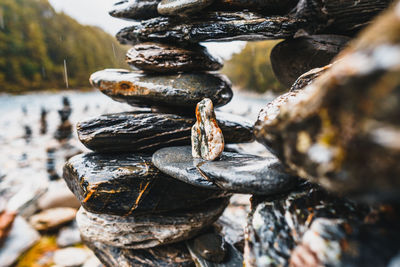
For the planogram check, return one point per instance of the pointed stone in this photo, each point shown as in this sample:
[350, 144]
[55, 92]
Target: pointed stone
[135, 9]
[207, 138]
[182, 7]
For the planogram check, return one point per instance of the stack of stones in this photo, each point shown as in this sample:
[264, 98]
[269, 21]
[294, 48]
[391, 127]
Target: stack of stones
[146, 201]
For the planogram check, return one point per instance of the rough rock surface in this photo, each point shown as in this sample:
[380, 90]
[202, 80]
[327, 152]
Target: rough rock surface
[146, 231]
[182, 7]
[135, 9]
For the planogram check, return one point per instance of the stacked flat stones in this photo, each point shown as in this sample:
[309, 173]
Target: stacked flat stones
[142, 192]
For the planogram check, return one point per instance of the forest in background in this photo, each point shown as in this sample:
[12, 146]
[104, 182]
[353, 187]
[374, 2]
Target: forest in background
[35, 41]
[251, 69]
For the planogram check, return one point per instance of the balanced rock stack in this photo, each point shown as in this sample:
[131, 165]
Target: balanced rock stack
[150, 194]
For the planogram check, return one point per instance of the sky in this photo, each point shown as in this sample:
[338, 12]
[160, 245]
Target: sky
[95, 12]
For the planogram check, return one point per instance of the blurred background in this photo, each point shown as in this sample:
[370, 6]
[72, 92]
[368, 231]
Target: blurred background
[48, 49]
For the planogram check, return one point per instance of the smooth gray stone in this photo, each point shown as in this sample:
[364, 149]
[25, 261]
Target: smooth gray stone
[233, 257]
[233, 172]
[182, 90]
[210, 246]
[21, 237]
[147, 231]
[135, 9]
[182, 7]
[69, 236]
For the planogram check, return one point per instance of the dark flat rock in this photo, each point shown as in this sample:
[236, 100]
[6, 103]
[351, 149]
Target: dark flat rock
[182, 7]
[135, 9]
[234, 172]
[177, 90]
[211, 26]
[210, 246]
[148, 132]
[173, 255]
[163, 58]
[128, 184]
[265, 7]
[151, 230]
[291, 58]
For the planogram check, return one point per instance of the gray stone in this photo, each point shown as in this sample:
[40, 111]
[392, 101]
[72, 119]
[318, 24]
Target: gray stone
[146, 231]
[71, 257]
[135, 9]
[52, 218]
[69, 236]
[233, 172]
[182, 7]
[58, 195]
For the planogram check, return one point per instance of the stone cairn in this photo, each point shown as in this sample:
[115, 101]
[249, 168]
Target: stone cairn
[327, 195]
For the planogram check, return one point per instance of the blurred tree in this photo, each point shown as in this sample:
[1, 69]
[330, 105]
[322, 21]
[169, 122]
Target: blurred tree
[35, 40]
[251, 69]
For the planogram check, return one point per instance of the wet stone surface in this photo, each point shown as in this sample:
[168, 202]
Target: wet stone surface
[293, 57]
[182, 7]
[211, 26]
[162, 58]
[266, 7]
[147, 131]
[146, 231]
[135, 9]
[207, 138]
[173, 255]
[178, 90]
[233, 172]
[127, 184]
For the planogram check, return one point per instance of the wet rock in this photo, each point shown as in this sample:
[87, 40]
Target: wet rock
[69, 236]
[135, 9]
[293, 57]
[146, 231]
[239, 173]
[163, 58]
[43, 121]
[178, 90]
[71, 257]
[201, 253]
[277, 223]
[21, 237]
[343, 134]
[127, 184]
[211, 247]
[231, 230]
[207, 138]
[182, 7]
[148, 132]
[58, 195]
[266, 7]
[52, 218]
[211, 26]
[173, 255]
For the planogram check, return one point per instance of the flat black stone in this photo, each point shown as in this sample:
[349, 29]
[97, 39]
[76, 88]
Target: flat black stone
[291, 58]
[177, 90]
[128, 184]
[265, 7]
[233, 172]
[210, 246]
[148, 132]
[173, 255]
[211, 26]
[163, 58]
[135, 9]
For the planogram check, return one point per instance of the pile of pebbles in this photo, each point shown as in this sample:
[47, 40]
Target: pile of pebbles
[146, 201]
